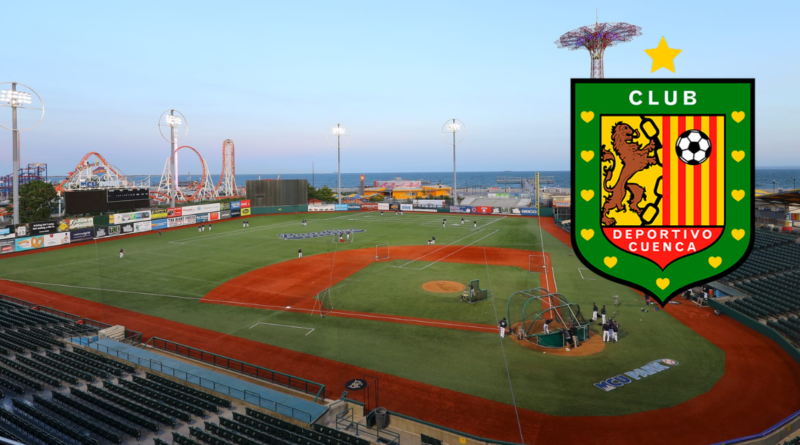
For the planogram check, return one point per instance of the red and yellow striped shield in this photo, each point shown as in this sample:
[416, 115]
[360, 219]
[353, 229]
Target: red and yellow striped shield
[663, 184]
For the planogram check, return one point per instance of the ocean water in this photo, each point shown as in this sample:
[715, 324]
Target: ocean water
[784, 178]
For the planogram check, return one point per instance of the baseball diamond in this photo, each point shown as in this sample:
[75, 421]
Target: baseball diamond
[242, 292]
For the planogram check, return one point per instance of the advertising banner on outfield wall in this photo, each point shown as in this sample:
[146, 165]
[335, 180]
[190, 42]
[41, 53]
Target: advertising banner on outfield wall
[225, 206]
[6, 246]
[201, 218]
[515, 211]
[28, 243]
[394, 206]
[321, 207]
[43, 227]
[482, 209]
[77, 236]
[460, 209]
[66, 225]
[56, 239]
[125, 228]
[158, 214]
[245, 203]
[122, 218]
[246, 211]
[236, 213]
[225, 214]
[213, 216]
[236, 205]
[353, 206]
[103, 231]
[429, 202]
[7, 232]
[406, 207]
[158, 224]
[369, 206]
[383, 206]
[529, 211]
[173, 212]
[198, 209]
[340, 207]
[429, 210]
[181, 221]
[144, 226]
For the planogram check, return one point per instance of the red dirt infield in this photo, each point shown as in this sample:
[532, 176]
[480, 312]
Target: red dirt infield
[292, 285]
[760, 387]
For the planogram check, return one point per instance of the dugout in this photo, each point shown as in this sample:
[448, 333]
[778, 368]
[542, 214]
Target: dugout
[528, 309]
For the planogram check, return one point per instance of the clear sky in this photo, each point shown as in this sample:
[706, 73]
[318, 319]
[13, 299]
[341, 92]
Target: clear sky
[273, 75]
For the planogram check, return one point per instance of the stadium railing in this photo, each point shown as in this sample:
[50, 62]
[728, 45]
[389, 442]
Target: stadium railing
[245, 395]
[248, 369]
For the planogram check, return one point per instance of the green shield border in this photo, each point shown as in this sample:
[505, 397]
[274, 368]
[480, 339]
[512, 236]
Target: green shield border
[689, 266]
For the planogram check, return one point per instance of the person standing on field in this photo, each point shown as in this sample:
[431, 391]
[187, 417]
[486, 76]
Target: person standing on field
[606, 335]
[475, 224]
[121, 253]
[594, 312]
[603, 313]
[547, 325]
[503, 325]
[615, 331]
[299, 253]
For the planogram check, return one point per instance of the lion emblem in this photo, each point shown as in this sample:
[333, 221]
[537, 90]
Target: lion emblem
[634, 159]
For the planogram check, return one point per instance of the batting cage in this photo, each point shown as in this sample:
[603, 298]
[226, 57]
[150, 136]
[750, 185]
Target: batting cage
[323, 303]
[473, 293]
[541, 318]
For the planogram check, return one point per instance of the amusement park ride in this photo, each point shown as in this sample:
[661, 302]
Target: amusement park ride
[94, 172]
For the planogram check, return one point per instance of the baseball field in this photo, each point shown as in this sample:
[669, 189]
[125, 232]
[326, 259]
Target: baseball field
[395, 315]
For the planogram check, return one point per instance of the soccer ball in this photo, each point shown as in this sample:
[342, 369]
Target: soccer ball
[693, 147]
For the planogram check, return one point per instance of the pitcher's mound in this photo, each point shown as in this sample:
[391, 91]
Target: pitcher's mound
[444, 287]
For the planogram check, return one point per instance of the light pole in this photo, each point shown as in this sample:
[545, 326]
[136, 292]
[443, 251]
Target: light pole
[454, 131]
[339, 134]
[174, 120]
[16, 99]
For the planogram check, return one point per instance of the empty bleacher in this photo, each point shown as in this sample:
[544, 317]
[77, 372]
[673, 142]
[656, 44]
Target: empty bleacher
[769, 279]
[63, 394]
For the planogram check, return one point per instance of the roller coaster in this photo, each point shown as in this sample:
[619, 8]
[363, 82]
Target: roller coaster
[95, 172]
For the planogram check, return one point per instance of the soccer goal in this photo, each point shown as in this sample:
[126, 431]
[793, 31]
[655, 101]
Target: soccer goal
[537, 263]
[323, 303]
[382, 252]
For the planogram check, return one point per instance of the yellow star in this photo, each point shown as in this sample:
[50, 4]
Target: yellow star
[663, 56]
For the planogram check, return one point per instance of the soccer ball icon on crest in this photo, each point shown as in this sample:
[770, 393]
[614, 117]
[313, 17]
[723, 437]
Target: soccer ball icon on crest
[693, 147]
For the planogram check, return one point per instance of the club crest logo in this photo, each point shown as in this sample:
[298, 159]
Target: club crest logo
[662, 179]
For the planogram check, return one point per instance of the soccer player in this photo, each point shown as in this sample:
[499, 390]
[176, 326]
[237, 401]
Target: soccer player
[603, 313]
[299, 253]
[503, 325]
[615, 331]
[594, 312]
[121, 253]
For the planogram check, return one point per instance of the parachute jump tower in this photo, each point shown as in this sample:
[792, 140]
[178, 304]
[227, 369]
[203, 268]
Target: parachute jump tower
[596, 39]
[227, 180]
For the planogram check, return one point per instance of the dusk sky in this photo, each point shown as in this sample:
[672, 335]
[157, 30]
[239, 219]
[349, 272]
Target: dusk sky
[272, 76]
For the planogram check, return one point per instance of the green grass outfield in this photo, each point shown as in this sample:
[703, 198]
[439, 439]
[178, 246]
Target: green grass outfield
[164, 276]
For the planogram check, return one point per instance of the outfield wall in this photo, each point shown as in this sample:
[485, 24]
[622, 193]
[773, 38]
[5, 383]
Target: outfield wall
[39, 235]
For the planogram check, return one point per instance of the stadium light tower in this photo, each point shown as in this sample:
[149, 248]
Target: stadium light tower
[596, 39]
[339, 136]
[453, 132]
[175, 121]
[16, 99]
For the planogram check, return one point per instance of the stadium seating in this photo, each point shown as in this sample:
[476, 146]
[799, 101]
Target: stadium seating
[175, 393]
[52, 422]
[108, 361]
[153, 394]
[89, 419]
[105, 369]
[29, 428]
[190, 391]
[125, 408]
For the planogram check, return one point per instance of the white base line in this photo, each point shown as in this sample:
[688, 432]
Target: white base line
[579, 271]
[283, 326]
[102, 289]
[444, 246]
